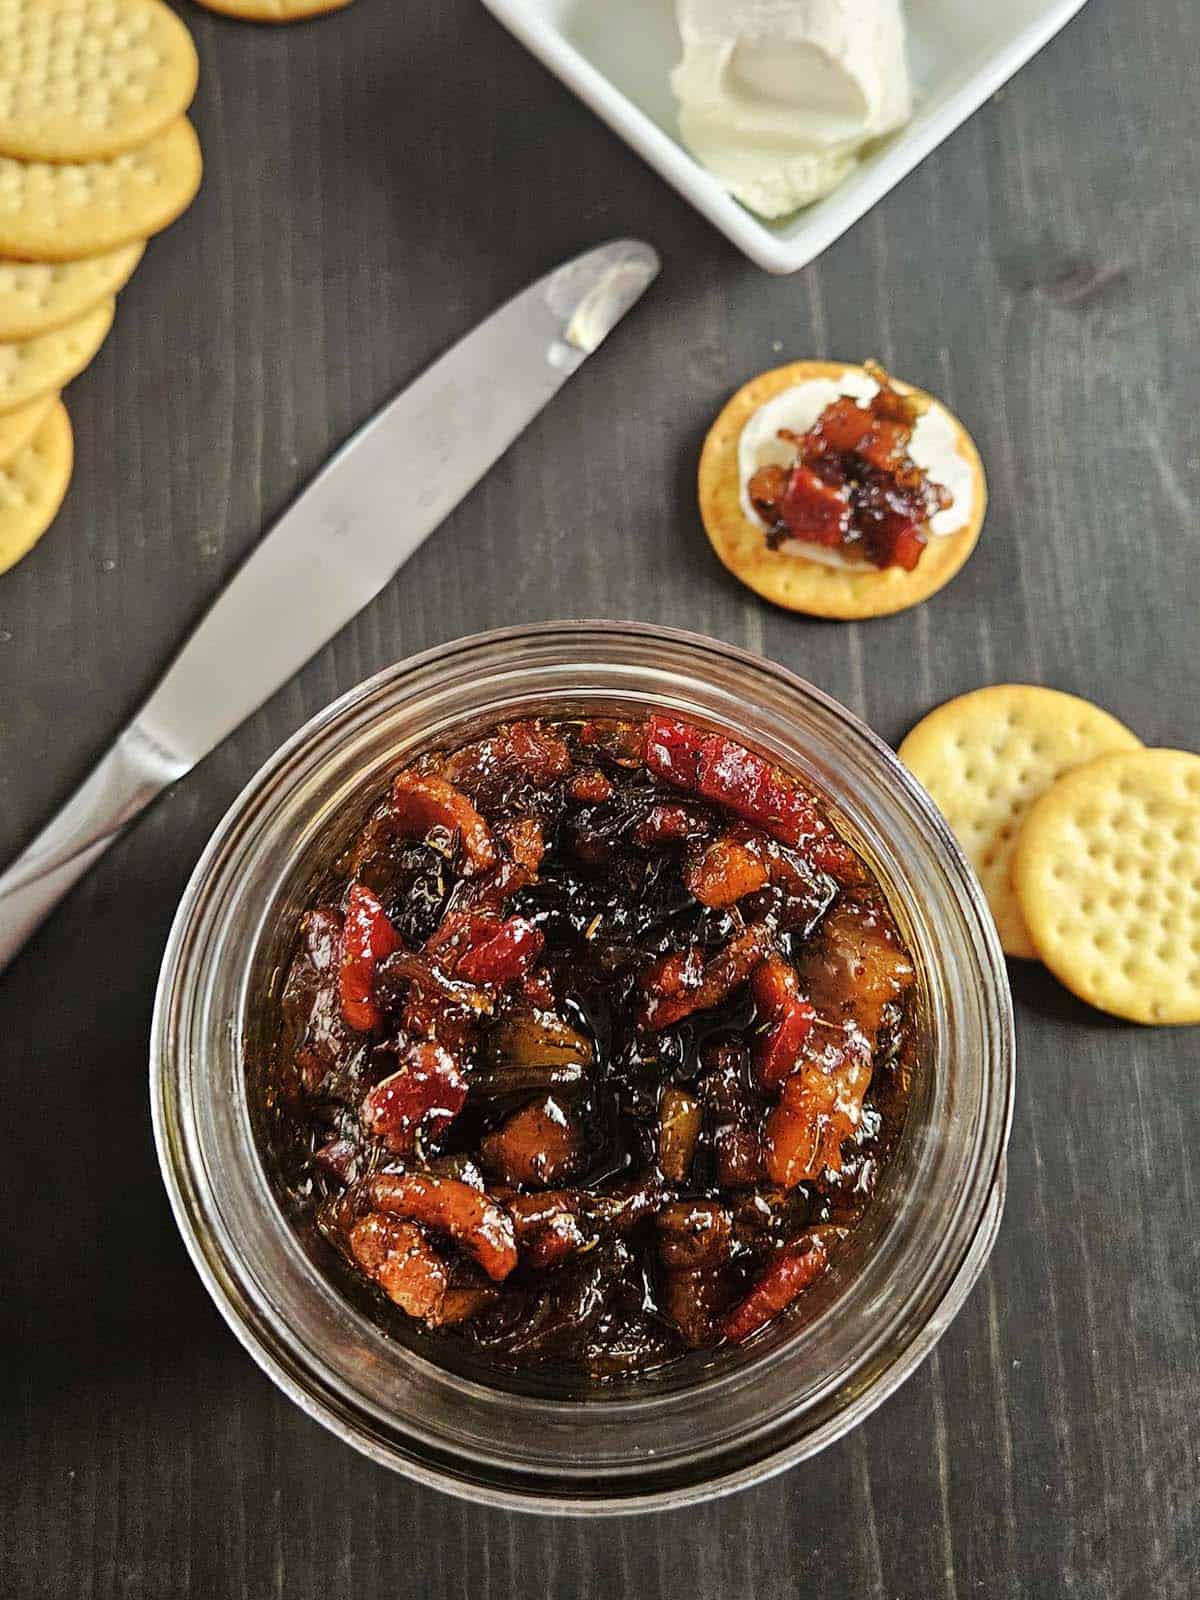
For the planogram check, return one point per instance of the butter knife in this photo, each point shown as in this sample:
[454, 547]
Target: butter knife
[333, 550]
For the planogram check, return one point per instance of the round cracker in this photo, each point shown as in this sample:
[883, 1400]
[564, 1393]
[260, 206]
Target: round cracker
[59, 212]
[986, 757]
[33, 367]
[82, 80]
[33, 484]
[789, 580]
[39, 296]
[1107, 871]
[18, 427]
[273, 10]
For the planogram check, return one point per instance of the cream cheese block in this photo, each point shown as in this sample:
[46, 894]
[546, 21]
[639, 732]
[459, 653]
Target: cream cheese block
[779, 97]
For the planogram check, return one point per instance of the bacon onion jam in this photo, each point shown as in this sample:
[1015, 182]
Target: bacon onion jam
[853, 487]
[594, 1045]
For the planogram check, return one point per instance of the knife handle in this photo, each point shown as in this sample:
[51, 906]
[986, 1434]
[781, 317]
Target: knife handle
[126, 779]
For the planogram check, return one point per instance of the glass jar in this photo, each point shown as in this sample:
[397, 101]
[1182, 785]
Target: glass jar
[699, 1427]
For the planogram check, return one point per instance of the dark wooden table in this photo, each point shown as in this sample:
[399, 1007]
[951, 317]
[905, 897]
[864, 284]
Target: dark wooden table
[377, 182]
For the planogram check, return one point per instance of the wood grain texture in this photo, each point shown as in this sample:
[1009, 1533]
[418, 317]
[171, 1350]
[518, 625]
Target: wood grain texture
[377, 182]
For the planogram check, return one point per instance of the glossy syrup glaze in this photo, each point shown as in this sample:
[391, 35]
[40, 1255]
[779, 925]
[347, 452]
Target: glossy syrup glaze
[594, 1046]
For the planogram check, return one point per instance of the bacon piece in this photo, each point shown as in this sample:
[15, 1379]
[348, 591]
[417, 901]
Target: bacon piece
[484, 1229]
[821, 1105]
[720, 770]
[403, 1263]
[696, 1299]
[427, 1090]
[814, 510]
[523, 844]
[520, 761]
[435, 1005]
[525, 841]
[743, 859]
[788, 1275]
[685, 981]
[694, 1233]
[554, 1224]
[725, 872]
[673, 751]
[422, 801]
[671, 822]
[621, 741]
[367, 938]
[548, 1226]
[856, 967]
[786, 1018]
[590, 787]
[459, 932]
[505, 957]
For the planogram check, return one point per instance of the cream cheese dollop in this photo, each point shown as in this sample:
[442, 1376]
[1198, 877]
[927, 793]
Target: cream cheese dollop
[934, 448]
[779, 97]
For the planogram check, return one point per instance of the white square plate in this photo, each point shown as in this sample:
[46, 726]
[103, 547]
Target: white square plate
[617, 54]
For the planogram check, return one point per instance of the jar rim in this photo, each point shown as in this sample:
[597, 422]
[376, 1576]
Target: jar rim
[205, 1151]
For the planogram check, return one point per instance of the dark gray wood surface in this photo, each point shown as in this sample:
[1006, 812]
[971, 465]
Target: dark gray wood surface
[378, 181]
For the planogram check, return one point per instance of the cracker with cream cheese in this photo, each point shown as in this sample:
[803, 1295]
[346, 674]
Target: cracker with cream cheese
[791, 580]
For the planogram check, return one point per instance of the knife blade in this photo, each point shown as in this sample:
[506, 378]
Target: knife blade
[379, 498]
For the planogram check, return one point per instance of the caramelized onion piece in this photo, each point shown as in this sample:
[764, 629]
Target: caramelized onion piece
[679, 1121]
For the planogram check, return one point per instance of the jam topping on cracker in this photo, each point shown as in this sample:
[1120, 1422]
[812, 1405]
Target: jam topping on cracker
[853, 486]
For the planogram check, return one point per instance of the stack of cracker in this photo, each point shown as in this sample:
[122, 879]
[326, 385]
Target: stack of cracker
[1086, 843]
[95, 156]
